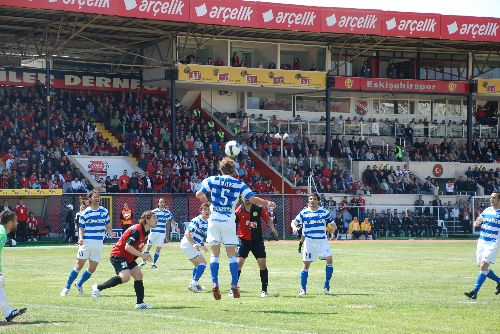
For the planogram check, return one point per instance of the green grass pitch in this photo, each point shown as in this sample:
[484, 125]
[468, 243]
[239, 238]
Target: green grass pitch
[378, 287]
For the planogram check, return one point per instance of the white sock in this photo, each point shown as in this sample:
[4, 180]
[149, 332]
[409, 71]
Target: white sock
[3, 303]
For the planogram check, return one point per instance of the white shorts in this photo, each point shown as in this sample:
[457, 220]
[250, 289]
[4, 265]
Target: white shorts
[90, 250]
[314, 248]
[156, 239]
[188, 249]
[486, 251]
[221, 229]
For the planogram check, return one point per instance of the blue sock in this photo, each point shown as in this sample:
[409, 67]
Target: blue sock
[199, 271]
[481, 277]
[214, 269]
[303, 279]
[491, 275]
[233, 267]
[85, 276]
[73, 274]
[194, 271]
[329, 273]
[155, 257]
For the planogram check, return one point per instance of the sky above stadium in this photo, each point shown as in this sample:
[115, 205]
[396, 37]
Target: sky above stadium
[490, 8]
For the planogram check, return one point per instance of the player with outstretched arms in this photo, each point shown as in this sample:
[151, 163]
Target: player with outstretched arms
[487, 244]
[193, 243]
[224, 192]
[313, 221]
[123, 256]
[157, 235]
[93, 223]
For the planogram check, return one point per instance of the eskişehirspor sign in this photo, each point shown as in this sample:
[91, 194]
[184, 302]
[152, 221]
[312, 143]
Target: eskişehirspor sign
[400, 85]
[284, 17]
[73, 80]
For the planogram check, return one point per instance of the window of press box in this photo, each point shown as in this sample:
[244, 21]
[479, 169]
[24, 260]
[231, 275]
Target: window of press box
[317, 104]
[486, 69]
[393, 107]
[269, 101]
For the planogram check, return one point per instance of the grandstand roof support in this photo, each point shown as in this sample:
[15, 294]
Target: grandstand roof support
[469, 117]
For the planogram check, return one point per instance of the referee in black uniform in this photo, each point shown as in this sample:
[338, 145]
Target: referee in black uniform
[249, 219]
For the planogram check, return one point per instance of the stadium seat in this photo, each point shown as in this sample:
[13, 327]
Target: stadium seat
[443, 226]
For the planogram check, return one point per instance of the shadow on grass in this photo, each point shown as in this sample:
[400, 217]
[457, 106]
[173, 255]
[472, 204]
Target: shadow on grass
[353, 294]
[20, 323]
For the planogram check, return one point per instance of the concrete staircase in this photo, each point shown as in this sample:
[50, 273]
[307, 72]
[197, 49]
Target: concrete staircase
[113, 140]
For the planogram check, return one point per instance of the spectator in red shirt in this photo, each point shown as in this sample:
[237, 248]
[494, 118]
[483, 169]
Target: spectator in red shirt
[124, 182]
[22, 221]
[158, 182]
[32, 227]
[185, 186]
[24, 180]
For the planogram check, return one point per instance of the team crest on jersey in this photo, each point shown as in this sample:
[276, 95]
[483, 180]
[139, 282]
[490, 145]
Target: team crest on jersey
[255, 214]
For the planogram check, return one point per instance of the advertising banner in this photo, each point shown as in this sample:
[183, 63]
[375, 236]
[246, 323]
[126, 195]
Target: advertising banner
[351, 21]
[400, 85]
[169, 10]
[251, 76]
[470, 28]
[30, 192]
[411, 25]
[73, 80]
[222, 12]
[488, 86]
[289, 17]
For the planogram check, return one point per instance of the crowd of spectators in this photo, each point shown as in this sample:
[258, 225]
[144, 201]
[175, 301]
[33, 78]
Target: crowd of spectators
[421, 221]
[141, 122]
[303, 158]
[387, 180]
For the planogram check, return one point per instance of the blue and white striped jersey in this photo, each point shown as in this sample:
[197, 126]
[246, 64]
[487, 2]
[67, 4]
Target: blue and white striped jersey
[490, 226]
[163, 216]
[94, 223]
[199, 228]
[313, 222]
[224, 192]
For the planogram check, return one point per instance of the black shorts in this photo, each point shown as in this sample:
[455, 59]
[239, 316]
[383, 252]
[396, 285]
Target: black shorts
[256, 247]
[120, 264]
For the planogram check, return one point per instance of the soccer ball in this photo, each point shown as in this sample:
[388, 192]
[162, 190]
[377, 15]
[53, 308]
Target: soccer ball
[232, 149]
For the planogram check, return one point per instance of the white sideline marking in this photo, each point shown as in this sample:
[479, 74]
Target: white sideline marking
[172, 316]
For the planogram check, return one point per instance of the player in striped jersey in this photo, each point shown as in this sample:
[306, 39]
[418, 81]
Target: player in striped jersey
[314, 220]
[224, 192]
[157, 235]
[94, 222]
[487, 244]
[192, 243]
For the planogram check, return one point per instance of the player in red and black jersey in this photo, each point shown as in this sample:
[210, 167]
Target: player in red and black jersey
[249, 219]
[123, 256]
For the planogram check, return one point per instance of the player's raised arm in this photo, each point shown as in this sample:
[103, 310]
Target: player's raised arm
[204, 190]
[296, 223]
[262, 202]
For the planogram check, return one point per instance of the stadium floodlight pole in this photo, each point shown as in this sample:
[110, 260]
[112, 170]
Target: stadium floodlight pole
[47, 95]
[330, 82]
[472, 90]
[282, 138]
[172, 74]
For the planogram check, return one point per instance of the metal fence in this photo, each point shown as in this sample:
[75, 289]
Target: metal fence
[186, 206]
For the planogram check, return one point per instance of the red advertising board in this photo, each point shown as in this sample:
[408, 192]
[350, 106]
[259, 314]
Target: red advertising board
[222, 12]
[74, 80]
[171, 10]
[470, 28]
[288, 17]
[284, 17]
[411, 25]
[351, 21]
[400, 86]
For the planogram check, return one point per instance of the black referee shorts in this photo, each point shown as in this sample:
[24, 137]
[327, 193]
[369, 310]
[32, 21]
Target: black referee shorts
[256, 247]
[120, 264]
